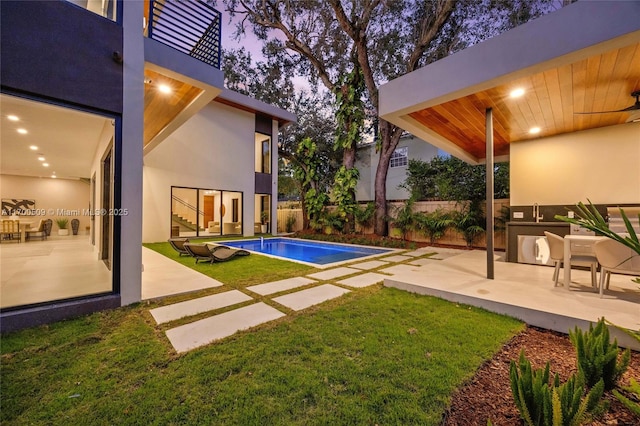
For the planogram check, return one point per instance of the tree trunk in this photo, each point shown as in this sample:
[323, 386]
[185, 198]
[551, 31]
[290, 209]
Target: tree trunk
[349, 161]
[389, 136]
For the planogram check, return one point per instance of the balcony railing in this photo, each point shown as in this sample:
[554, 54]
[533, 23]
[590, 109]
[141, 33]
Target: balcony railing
[190, 26]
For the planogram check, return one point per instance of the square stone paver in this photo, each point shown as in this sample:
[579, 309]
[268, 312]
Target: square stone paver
[397, 258]
[419, 252]
[311, 296]
[424, 261]
[205, 331]
[399, 269]
[333, 273]
[372, 264]
[278, 286]
[364, 280]
[197, 306]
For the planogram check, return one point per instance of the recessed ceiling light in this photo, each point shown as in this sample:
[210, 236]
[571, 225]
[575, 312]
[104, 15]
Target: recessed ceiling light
[41, 158]
[22, 131]
[164, 88]
[45, 164]
[33, 148]
[516, 93]
[534, 130]
[13, 118]
[53, 176]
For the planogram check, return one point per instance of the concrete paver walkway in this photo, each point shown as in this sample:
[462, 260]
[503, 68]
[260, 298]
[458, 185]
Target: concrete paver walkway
[205, 331]
[333, 273]
[311, 296]
[372, 264]
[196, 306]
[364, 280]
[202, 332]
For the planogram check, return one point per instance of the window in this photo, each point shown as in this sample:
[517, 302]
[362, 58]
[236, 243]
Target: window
[263, 153]
[400, 157]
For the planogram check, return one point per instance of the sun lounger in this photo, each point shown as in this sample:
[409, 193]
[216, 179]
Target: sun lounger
[178, 245]
[224, 253]
[199, 252]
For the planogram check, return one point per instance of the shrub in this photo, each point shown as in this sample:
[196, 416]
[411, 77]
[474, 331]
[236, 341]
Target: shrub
[597, 356]
[290, 222]
[542, 404]
[434, 224]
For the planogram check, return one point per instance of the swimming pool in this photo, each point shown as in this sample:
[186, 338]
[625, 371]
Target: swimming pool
[305, 251]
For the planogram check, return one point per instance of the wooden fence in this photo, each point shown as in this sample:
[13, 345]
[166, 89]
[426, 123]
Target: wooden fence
[451, 236]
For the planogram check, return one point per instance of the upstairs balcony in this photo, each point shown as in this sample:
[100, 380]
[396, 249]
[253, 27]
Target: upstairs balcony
[191, 27]
[182, 50]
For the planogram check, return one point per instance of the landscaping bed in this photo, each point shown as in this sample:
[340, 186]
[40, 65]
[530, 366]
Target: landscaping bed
[488, 394]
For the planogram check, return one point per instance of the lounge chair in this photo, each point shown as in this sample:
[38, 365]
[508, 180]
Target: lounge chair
[199, 252]
[224, 253]
[39, 231]
[178, 245]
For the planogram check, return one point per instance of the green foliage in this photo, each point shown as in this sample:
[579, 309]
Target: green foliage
[344, 189]
[542, 404]
[590, 218]
[62, 223]
[307, 172]
[434, 224]
[349, 91]
[449, 178]
[290, 222]
[404, 218]
[470, 222]
[364, 216]
[633, 388]
[597, 356]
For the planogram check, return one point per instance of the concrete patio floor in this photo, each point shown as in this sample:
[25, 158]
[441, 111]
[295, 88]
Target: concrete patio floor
[525, 292]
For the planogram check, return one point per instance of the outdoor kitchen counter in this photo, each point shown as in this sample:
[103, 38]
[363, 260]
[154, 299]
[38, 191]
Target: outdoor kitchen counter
[530, 228]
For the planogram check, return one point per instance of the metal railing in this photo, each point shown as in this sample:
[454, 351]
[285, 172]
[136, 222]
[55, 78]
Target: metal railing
[189, 26]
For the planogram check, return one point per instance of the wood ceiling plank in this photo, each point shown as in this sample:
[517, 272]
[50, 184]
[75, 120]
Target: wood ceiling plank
[565, 78]
[600, 82]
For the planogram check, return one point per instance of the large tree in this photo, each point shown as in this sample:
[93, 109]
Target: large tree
[382, 40]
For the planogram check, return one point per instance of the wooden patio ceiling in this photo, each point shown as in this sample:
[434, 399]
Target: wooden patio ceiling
[161, 108]
[598, 83]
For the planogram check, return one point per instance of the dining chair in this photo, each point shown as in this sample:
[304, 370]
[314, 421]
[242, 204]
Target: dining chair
[556, 252]
[614, 256]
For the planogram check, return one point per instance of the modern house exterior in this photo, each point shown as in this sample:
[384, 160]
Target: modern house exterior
[114, 113]
[409, 148]
[548, 96]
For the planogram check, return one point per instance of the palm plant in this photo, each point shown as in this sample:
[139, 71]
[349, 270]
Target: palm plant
[590, 218]
[470, 223]
[404, 219]
[434, 224]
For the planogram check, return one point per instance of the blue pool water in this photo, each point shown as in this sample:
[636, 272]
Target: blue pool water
[305, 250]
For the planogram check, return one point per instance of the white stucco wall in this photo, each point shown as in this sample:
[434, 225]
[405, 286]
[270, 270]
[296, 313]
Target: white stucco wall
[53, 198]
[367, 163]
[602, 165]
[213, 150]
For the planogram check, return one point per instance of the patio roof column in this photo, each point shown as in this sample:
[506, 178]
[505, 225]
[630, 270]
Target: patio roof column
[489, 189]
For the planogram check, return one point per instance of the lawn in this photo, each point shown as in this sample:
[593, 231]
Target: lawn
[376, 356]
[239, 273]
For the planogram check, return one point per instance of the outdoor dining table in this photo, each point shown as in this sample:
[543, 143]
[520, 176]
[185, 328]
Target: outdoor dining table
[587, 241]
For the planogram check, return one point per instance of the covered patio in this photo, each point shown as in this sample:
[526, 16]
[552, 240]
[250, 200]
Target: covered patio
[523, 291]
[556, 98]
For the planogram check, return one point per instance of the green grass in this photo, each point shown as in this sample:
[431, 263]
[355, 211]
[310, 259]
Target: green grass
[239, 272]
[375, 356]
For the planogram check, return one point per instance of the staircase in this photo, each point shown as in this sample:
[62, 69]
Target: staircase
[184, 224]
